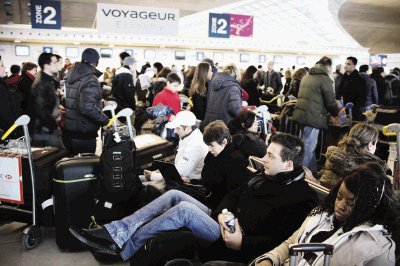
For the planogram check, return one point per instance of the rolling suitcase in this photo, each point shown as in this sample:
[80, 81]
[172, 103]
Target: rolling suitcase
[152, 147]
[73, 197]
[295, 249]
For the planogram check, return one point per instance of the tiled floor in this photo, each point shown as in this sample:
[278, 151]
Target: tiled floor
[45, 254]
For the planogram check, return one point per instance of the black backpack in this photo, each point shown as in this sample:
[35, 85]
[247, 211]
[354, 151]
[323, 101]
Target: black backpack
[119, 180]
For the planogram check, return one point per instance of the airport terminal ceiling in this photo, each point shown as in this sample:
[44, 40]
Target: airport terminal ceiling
[373, 24]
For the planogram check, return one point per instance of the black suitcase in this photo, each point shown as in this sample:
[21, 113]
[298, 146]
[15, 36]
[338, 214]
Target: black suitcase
[387, 115]
[151, 147]
[164, 247]
[73, 197]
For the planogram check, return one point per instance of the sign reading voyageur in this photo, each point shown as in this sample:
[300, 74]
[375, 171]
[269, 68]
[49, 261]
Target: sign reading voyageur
[137, 19]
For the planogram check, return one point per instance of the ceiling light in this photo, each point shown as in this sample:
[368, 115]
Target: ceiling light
[17, 41]
[111, 45]
[77, 43]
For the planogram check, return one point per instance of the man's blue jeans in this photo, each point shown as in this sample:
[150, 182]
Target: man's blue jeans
[170, 211]
[309, 135]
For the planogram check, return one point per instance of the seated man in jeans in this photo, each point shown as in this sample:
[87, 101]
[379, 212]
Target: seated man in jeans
[268, 210]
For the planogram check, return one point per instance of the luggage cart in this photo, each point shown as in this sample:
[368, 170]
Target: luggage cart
[31, 235]
[394, 130]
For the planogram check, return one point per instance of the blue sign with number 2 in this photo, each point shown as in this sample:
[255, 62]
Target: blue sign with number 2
[45, 14]
[219, 25]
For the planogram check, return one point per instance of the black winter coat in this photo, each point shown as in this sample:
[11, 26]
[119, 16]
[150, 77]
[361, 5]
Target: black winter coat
[199, 106]
[6, 116]
[269, 210]
[294, 88]
[24, 91]
[353, 89]
[44, 103]
[249, 144]
[383, 96]
[254, 94]
[83, 105]
[123, 90]
[223, 173]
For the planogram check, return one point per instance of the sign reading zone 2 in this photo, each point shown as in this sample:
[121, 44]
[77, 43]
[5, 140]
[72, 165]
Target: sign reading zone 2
[45, 14]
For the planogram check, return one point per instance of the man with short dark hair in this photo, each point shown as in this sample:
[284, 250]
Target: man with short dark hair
[353, 88]
[269, 208]
[372, 90]
[315, 101]
[83, 104]
[44, 107]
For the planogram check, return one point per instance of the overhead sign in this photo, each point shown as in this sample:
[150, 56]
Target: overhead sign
[137, 19]
[227, 25]
[241, 25]
[378, 60]
[45, 14]
[219, 25]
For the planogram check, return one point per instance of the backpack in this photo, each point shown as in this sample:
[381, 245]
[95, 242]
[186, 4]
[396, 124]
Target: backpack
[119, 181]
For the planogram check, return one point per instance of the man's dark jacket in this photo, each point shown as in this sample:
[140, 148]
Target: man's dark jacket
[83, 105]
[353, 89]
[269, 210]
[6, 116]
[44, 102]
[123, 89]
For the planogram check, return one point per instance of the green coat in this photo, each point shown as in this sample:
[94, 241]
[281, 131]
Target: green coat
[316, 99]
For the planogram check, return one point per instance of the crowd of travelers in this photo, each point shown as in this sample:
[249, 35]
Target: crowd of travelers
[218, 131]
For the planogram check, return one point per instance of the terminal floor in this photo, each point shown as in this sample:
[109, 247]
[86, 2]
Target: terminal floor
[45, 254]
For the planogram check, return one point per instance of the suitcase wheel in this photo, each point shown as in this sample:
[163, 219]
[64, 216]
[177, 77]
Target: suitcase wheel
[31, 237]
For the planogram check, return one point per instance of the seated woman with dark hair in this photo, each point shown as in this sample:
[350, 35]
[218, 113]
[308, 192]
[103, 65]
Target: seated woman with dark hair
[244, 128]
[360, 218]
[356, 147]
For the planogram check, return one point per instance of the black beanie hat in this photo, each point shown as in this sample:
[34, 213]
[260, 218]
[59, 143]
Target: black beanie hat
[90, 56]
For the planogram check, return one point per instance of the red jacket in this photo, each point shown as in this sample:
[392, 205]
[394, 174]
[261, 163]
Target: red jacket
[168, 98]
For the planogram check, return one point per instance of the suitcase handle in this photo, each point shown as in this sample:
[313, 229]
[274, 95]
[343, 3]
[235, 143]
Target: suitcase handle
[86, 154]
[310, 247]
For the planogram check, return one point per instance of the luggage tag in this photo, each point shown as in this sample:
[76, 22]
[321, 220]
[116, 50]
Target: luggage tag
[117, 138]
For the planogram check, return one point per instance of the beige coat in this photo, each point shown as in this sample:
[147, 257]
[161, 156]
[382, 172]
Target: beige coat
[363, 245]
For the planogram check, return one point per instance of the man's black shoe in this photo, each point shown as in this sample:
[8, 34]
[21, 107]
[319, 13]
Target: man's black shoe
[104, 257]
[96, 239]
